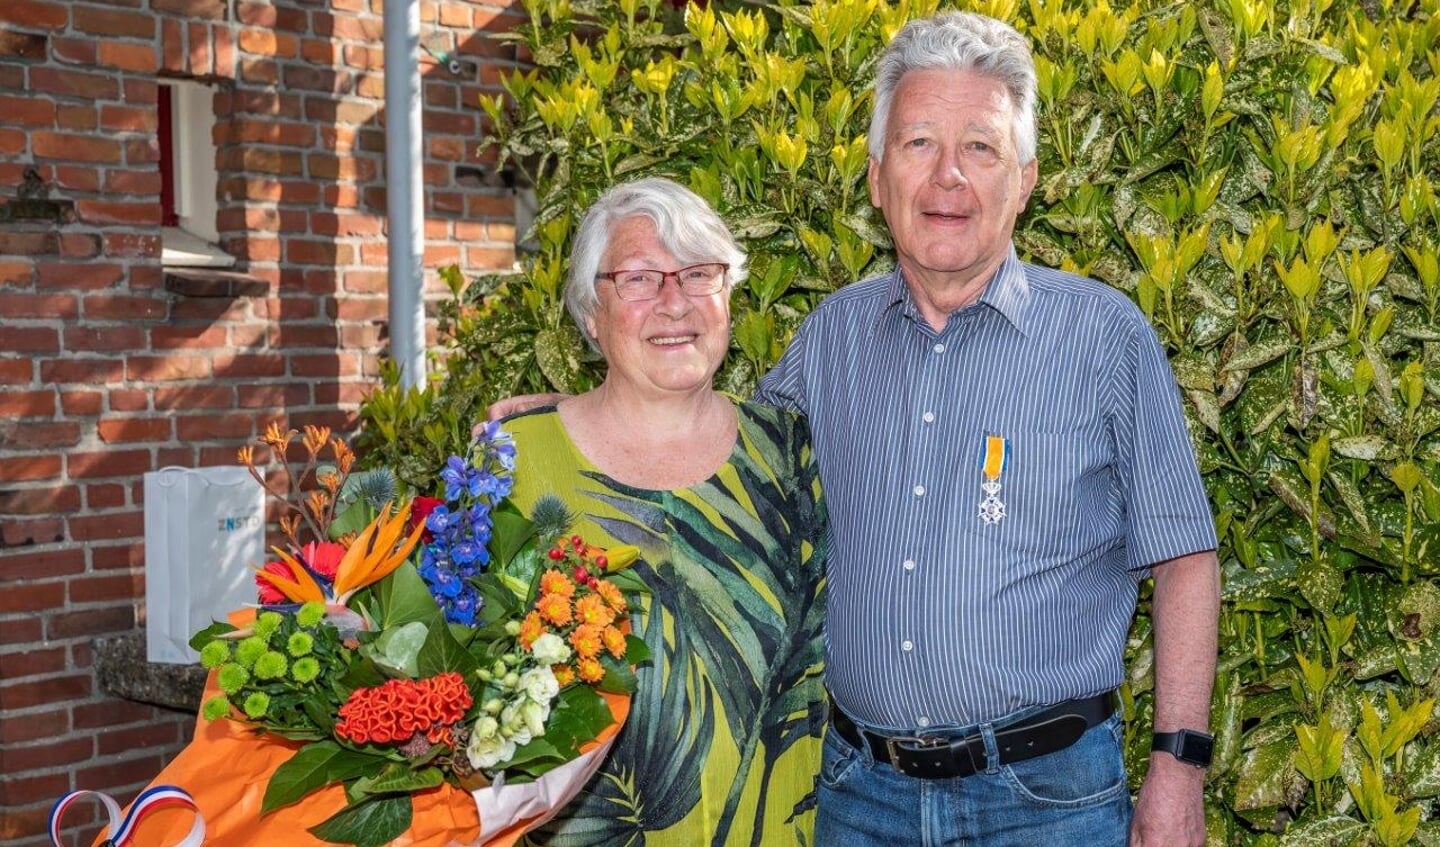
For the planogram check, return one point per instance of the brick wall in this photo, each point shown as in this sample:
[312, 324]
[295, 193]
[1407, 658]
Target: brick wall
[110, 366]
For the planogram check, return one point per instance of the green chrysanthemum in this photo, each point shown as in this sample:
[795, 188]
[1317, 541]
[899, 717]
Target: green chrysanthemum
[215, 708]
[250, 649]
[267, 623]
[215, 654]
[300, 644]
[232, 678]
[310, 614]
[257, 704]
[305, 670]
[272, 665]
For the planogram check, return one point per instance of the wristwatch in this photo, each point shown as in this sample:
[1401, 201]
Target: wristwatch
[1189, 746]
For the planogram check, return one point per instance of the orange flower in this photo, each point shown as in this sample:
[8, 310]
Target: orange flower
[564, 674]
[591, 671]
[586, 639]
[554, 608]
[530, 629]
[614, 641]
[592, 609]
[396, 710]
[554, 582]
[612, 594]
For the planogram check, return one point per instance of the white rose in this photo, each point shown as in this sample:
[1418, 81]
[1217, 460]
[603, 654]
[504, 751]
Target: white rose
[550, 649]
[540, 684]
[534, 715]
[485, 727]
[486, 753]
[513, 725]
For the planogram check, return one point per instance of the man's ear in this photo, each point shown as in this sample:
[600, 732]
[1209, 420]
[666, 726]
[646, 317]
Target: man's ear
[873, 178]
[1029, 174]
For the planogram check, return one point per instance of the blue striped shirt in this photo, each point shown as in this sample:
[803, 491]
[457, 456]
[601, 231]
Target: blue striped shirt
[936, 618]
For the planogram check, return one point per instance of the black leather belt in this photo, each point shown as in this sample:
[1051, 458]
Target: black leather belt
[938, 757]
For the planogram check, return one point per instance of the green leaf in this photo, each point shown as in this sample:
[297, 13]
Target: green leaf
[1319, 583]
[403, 598]
[1324, 832]
[619, 677]
[510, 532]
[368, 823]
[1258, 354]
[208, 634]
[397, 649]
[441, 653]
[314, 766]
[396, 778]
[557, 353]
[1266, 776]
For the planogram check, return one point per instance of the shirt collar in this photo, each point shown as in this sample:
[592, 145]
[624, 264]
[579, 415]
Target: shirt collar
[1008, 293]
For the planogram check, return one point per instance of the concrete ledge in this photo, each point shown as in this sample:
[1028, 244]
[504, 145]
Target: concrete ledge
[202, 282]
[123, 671]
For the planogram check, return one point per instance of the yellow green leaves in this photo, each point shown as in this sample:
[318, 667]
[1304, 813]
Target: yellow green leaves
[656, 76]
[1319, 749]
[1124, 74]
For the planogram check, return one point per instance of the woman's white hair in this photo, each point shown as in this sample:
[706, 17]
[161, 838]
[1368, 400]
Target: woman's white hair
[685, 224]
[959, 41]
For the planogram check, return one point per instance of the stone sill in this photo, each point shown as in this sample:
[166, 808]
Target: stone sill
[206, 282]
[123, 671]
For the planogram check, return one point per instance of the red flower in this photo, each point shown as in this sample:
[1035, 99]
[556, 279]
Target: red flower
[323, 557]
[269, 594]
[420, 509]
[399, 709]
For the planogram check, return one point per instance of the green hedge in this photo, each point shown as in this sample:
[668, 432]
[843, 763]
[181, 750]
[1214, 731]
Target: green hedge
[1260, 177]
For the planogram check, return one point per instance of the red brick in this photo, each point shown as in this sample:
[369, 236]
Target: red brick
[80, 274]
[224, 52]
[60, 499]
[172, 46]
[141, 245]
[21, 468]
[142, 151]
[123, 556]
[195, 397]
[32, 597]
[115, 713]
[114, 22]
[92, 371]
[51, 690]
[259, 71]
[319, 51]
[135, 772]
[107, 463]
[29, 757]
[75, 51]
[129, 400]
[189, 337]
[102, 496]
[93, 86]
[26, 111]
[33, 13]
[27, 404]
[89, 527]
[31, 339]
[91, 338]
[77, 178]
[118, 212]
[122, 430]
[82, 402]
[15, 273]
[119, 741]
[202, 427]
[55, 306]
[96, 589]
[20, 790]
[34, 725]
[141, 58]
[83, 118]
[327, 252]
[43, 564]
[36, 434]
[122, 307]
[165, 368]
[15, 371]
[293, 336]
[25, 631]
[270, 396]
[249, 365]
[85, 148]
[12, 142]
[78, 245]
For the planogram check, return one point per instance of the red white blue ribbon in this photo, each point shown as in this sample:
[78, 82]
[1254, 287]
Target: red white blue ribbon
[122, 828]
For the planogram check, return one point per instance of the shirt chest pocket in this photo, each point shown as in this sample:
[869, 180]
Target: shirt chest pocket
[1049, 486]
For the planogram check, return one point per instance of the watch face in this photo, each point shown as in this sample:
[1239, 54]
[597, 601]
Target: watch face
[1196, 747]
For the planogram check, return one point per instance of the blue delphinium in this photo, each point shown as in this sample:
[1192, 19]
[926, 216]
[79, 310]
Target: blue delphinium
[461, 528]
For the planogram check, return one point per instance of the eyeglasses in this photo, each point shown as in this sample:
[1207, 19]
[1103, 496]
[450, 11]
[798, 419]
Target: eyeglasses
[645, 283]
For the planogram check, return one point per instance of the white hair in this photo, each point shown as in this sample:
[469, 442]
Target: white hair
[959, 41]
[685, 224]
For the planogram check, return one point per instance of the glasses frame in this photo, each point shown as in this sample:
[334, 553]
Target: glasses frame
[666, 276]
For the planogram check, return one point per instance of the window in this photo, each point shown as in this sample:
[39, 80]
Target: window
[188, 177]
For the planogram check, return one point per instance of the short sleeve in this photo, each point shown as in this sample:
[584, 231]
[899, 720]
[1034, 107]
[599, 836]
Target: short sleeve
[1167, 511]
[784, 386]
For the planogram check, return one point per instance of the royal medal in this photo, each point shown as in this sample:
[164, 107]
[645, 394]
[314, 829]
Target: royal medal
[993, 460]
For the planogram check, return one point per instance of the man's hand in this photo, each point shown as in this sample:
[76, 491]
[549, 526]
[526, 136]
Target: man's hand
[1171, 808]
[523, 403]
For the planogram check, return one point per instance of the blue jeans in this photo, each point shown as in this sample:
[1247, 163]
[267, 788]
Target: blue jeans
[1076, 796]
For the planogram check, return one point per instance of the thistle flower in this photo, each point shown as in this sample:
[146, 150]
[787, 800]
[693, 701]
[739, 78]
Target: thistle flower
[374, 488]
[551, 517]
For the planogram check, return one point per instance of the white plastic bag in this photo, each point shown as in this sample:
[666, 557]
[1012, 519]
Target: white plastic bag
[204, 531]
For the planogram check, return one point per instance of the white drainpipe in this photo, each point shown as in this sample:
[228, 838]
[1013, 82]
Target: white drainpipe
[405, 189]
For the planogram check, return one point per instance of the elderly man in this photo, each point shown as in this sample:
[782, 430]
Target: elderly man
[1004, 455]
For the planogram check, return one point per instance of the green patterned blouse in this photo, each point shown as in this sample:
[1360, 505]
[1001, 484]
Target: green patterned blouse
[723, 740]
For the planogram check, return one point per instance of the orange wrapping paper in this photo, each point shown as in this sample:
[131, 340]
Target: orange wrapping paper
[227, 766]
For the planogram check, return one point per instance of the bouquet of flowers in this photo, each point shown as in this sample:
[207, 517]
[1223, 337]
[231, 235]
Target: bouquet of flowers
[422, 648]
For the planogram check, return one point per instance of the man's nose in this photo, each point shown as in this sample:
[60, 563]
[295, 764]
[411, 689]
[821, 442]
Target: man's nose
[949, 172]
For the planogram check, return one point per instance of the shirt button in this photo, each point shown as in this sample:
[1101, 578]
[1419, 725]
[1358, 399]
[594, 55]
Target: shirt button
[909, 564]
[939, 348]
[907, 645]
[919, 491]
[922, 721]
[928, 417]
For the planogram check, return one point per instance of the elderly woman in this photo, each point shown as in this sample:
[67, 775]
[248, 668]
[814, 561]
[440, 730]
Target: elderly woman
[722, 743]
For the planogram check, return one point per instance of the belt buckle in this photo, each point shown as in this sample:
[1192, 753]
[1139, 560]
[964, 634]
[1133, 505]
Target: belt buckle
[914, 742]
